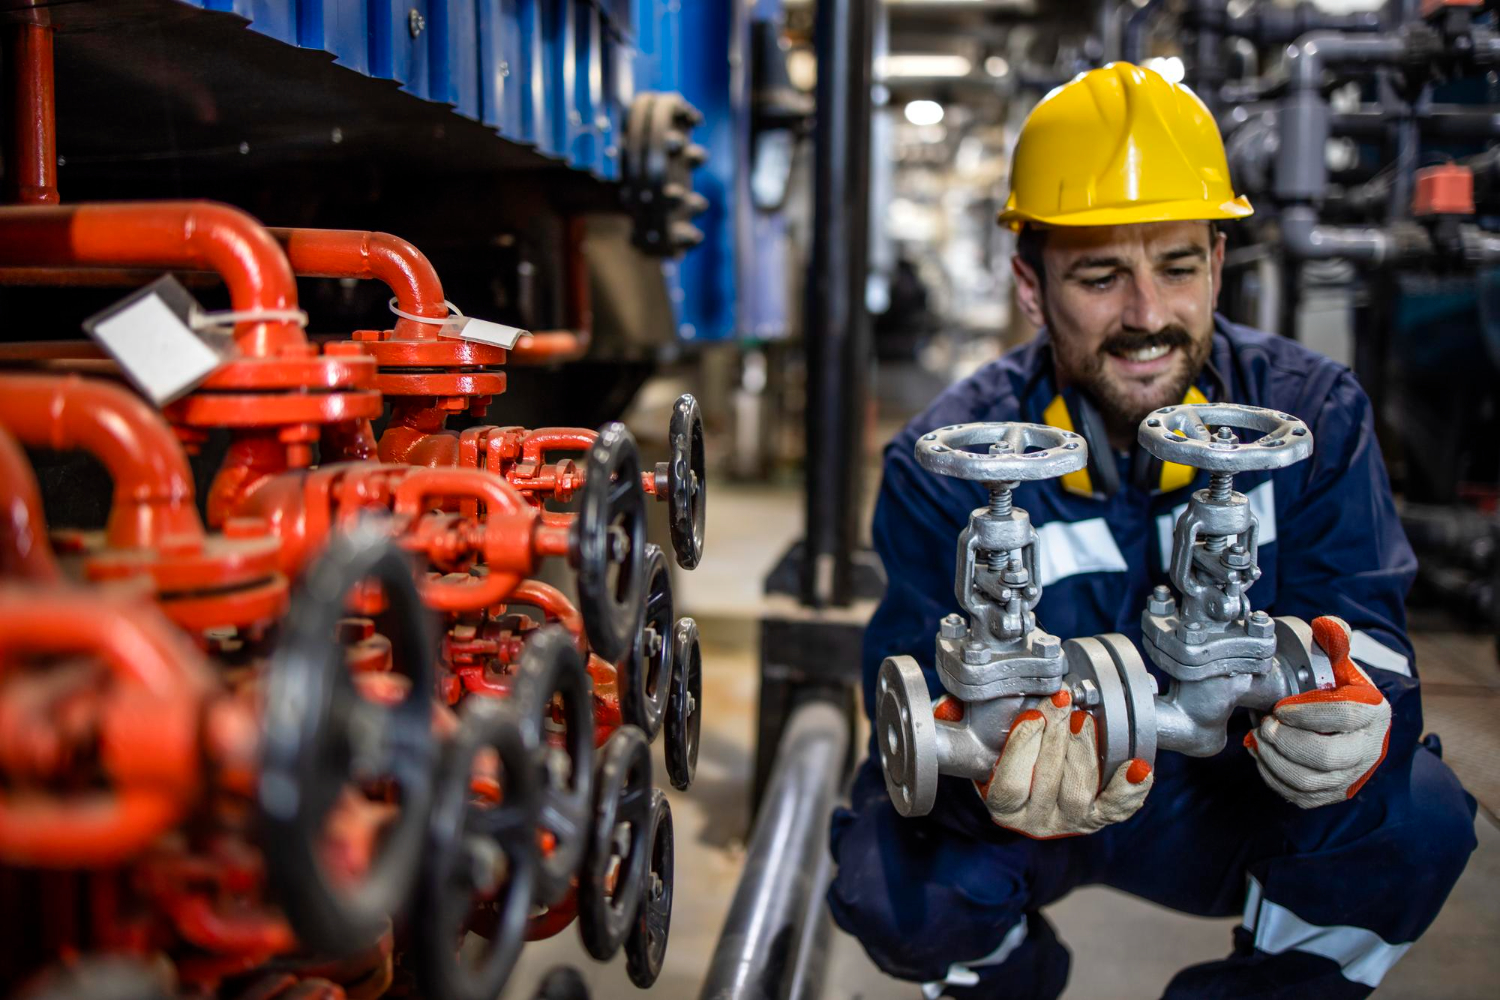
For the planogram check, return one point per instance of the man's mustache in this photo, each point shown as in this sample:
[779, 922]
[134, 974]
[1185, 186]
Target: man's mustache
[1135, 340]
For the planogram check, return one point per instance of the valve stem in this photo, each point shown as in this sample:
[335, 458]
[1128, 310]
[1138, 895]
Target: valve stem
[1220, 489]
[1001, 503]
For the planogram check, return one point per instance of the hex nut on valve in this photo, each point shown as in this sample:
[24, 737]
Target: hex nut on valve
[952, 627]
[1260, 626]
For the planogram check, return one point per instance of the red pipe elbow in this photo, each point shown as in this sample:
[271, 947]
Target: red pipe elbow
[196, 235]
[153, 497]
[350, 253]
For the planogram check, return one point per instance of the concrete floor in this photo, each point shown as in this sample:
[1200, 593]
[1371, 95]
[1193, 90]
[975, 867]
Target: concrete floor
[749, 528]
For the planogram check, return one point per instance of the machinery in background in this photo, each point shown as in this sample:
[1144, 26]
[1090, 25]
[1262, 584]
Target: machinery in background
[1218, 653]
[286, 705]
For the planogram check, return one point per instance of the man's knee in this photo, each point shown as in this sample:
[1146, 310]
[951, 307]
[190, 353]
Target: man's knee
[1432, 835]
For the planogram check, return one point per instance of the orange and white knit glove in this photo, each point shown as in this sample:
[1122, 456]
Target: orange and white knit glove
[1046, 782]
[1320, 747]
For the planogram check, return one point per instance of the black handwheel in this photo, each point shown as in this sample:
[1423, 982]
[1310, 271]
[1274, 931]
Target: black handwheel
[646, 946]
[321, 737]
[563, 983]
[609, 543]
[480, 853]
[551, 671]
[609, 888]
[685, 705]
[687, 481]
[646, 671]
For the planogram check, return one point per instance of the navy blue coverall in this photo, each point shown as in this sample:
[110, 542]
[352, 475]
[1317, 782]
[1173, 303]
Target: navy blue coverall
[1331, 897]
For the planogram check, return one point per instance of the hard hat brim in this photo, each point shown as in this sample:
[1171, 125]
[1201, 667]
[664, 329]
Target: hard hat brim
[1159, 211]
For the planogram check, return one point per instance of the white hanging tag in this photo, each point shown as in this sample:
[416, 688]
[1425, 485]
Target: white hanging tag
[480, 331]
[150, 333]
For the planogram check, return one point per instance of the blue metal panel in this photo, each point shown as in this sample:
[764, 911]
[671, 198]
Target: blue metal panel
[341, 27]
[708, 273]
[453, 60]
[394, 53]
[501, 75]
[277, 18]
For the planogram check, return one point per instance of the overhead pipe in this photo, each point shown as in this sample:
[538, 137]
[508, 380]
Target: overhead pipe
[198, 235]
[153, 485]
[1269, 24]
[24, 549]
[769, 948]
[31, 138]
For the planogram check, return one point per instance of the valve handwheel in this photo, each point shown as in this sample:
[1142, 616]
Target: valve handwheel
[609, 543]
[687, 482]
[320, 737]
[646, 672]
[478, 852]
[906, 736]
[646, 946]
[684, 705]
[609, 888]
[1184, 434]
[947, 451]
[551, 671]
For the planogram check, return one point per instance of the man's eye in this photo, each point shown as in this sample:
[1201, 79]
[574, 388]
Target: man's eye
[1181, 272]
[1099, 284]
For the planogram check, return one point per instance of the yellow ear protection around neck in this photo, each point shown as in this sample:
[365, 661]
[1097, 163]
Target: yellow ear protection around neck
[1071, 410]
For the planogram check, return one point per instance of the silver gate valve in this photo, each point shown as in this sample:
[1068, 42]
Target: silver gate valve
[998, 662]
[1220, 654]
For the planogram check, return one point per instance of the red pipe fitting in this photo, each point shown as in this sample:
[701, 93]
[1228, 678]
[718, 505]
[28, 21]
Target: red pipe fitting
[24, 549]
[153, 498]
[148, 728]
[349, 253]
[197, 235]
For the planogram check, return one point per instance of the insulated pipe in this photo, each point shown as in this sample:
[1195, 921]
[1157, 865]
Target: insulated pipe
[31, 146]
[153, 498]
[200, 235]
[759, 953]
[350, 253]
[24, 549]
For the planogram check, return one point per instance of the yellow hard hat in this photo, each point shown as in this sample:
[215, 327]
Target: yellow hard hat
[1120, 145]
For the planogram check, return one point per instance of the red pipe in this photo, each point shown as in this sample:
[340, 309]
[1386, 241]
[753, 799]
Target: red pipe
[351, 253]
[198, 235]
[24, 550]
[153, 497]
[32, 165]
[548, 347]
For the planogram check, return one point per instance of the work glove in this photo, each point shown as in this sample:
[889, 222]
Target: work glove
[1322, 746]
[1046, 781]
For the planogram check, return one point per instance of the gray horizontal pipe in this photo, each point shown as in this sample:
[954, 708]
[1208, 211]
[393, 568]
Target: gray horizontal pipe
[758, 956]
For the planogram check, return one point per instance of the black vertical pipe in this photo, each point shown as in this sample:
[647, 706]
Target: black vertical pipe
[836, 327]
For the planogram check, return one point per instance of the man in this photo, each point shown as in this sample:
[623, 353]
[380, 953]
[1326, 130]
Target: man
[1331, 827]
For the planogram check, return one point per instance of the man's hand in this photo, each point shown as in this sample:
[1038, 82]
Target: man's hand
[1046, 782]
[1322, 746]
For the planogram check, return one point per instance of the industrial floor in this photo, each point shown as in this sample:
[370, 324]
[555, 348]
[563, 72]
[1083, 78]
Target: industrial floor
[748, 528]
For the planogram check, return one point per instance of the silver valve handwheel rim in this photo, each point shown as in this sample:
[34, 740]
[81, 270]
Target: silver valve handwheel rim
[1182, 434]
[906, 736]
[945, 451]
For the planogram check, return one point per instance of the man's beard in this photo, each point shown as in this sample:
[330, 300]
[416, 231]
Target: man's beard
[1122, 401]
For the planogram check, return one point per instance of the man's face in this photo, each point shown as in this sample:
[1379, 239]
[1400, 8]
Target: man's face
[1130, 310]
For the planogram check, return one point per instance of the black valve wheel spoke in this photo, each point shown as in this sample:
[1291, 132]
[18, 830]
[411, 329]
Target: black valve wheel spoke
[609, 887]
[554, 690]
[684, 720]
[687, 482]
[646, 947]
[481, 855]
[646, 672]
[323, 741]
[609, 543]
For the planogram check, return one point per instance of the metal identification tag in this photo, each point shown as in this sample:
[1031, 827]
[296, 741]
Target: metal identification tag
[481, 331]
[149, 333]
